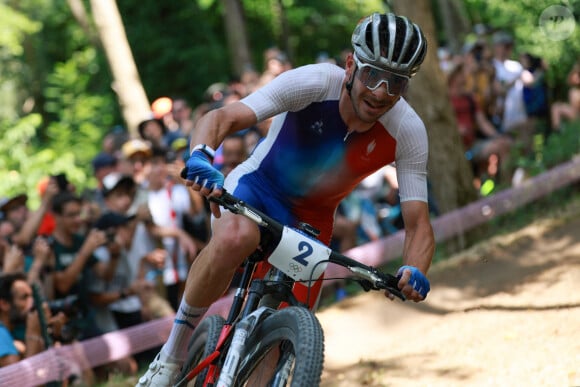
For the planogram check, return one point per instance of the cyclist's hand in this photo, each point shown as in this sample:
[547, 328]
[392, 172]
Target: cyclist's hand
[413, 284]
[200, 174]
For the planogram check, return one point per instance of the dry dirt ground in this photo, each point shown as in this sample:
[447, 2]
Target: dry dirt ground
[503, 313]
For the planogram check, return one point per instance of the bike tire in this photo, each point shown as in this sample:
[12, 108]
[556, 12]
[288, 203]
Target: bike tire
[302, 335]
[202, 344]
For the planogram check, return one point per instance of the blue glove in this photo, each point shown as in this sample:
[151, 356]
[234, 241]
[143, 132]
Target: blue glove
[200, 171]
[418, 280]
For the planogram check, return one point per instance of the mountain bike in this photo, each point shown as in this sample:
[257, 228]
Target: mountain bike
[270, 338]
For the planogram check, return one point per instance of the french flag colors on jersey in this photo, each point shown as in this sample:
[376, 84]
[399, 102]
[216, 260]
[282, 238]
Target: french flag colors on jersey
[309, 162]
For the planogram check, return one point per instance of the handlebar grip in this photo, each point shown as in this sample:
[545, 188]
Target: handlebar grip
[225, 198]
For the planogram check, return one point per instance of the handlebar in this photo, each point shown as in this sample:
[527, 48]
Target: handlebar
[368, 277]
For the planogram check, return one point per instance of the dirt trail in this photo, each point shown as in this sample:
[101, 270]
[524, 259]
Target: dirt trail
[504, 313]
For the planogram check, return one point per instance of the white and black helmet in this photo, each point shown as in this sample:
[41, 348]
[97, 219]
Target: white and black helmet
[390, 42]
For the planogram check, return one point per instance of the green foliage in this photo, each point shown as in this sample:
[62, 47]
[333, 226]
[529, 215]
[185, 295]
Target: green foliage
[20, 165]
[522, 19]
[15, 26]
[314, 27]
[76, 135]
[56, 100]
[179, 47]
[563, 145]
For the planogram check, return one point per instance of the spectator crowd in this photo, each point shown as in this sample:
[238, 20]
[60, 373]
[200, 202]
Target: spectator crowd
[118, 255]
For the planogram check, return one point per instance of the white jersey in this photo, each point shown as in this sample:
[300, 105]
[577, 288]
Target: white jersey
[308, 163]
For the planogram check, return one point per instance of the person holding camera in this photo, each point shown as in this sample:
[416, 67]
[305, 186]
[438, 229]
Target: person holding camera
[116, 294]
[116, 291]
[73, 258]
[21, 333]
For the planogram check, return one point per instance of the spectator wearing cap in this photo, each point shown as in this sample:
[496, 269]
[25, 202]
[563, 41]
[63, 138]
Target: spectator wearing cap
[26, 223]
[118, 192]
[135, 154]
[103, 164]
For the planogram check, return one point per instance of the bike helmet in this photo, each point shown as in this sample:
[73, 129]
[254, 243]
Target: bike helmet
[390, 42]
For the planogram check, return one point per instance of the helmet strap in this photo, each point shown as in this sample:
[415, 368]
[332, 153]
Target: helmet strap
[351, 81]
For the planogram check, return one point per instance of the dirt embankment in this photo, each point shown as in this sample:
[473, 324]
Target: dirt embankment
[504, 313]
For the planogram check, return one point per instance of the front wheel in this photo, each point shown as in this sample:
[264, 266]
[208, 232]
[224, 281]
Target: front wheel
[286, 349]
[202, 344]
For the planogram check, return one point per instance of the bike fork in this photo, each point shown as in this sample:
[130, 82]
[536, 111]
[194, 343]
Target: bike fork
[283, 369]
[234, 355]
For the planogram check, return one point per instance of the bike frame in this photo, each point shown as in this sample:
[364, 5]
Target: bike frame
[254, 287]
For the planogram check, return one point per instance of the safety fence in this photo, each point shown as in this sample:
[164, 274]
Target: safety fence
[56, 364]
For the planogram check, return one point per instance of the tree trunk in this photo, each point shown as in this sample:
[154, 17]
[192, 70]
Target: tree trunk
[284, 29]
[237, 37]
[126, 82]
[449, 172]
[454, 23]
[79, 13]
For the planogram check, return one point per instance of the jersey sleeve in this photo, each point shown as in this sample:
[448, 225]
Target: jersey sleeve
[411, 155]
[295, 89]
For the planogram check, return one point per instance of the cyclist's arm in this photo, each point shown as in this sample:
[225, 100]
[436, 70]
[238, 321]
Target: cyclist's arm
[290, 91]
[419, 239]
[217, 124]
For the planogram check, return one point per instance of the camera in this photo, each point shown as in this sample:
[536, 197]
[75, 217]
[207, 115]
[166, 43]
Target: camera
[68, 305]
[71, 307]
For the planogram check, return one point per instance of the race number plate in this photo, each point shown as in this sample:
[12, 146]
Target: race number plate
[300, 257]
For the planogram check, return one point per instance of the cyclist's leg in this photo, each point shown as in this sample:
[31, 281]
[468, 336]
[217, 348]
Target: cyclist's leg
[233, 239]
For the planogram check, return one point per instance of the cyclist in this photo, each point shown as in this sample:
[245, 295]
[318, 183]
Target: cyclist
[332, 127]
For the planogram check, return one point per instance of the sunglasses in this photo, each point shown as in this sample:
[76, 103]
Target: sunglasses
[372, 77]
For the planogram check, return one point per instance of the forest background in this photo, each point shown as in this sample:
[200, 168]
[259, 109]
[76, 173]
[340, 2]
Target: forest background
[62, 86]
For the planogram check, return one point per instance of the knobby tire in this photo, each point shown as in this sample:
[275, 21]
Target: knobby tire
[293, 329]
[202, 344]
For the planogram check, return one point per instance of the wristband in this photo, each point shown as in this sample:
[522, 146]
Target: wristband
[209, 151]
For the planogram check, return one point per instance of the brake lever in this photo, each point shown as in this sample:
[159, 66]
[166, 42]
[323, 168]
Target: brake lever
[366, 285]
[395, 292]
[390, 283]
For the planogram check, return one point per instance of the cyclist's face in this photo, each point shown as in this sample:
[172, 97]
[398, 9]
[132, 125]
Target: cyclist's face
[369, 105]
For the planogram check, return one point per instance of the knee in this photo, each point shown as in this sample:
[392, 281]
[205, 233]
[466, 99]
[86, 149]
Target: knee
[232, 243]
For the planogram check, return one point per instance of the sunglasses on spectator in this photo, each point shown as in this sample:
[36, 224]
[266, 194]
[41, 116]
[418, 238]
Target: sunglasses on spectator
[372, 77]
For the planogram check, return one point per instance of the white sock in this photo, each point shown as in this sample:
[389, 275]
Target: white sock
[186, 319]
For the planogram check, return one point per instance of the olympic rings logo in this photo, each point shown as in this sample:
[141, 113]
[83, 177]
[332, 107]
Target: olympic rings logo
[294, 267]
